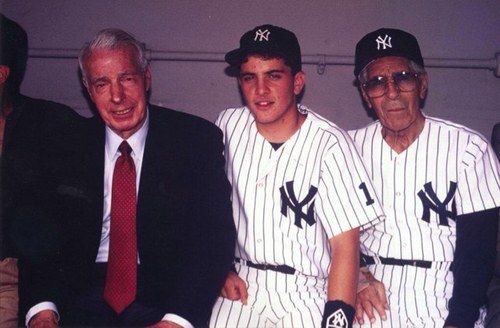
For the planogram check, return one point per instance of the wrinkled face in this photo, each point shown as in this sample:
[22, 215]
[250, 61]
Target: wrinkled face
[395, 109]
[118, 88]
[270, 90]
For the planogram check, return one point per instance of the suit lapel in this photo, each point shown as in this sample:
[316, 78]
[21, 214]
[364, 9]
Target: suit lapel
[93, 175]
[157, 174]
[156, 167]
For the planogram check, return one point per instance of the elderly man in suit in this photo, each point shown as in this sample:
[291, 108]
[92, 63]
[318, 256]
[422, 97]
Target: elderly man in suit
[144, 181]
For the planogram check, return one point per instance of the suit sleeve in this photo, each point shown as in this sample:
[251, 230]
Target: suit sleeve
[473, 265]
[36, 234]
[210, 255]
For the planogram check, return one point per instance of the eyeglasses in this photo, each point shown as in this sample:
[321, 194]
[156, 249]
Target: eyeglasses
[403, 81]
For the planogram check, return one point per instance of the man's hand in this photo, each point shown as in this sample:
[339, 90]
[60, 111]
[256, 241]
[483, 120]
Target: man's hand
[371, 297]
[235, 288]
[165, 324]
[44, 319]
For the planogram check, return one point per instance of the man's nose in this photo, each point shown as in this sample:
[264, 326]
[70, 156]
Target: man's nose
[117, 93]
[262, 87]
[392, 89]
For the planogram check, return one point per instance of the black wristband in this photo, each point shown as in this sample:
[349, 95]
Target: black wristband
[337, 314]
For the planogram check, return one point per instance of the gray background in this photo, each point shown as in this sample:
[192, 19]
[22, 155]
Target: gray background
[455, 32]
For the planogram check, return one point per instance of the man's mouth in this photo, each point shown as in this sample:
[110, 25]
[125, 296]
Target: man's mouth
[264, 103]
[395, 107]
[122, 112]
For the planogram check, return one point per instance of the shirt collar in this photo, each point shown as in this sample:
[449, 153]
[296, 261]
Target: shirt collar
[136, 141]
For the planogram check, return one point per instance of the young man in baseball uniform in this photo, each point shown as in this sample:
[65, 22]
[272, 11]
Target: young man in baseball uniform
[300, 194]
[440, 187]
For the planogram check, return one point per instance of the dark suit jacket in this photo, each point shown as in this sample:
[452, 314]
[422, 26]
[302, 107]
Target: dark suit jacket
[185, 230]
[495, 139]
[26, 155]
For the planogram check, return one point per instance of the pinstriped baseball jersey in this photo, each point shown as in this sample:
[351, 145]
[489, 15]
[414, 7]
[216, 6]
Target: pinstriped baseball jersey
[447, 171]
[288, 202]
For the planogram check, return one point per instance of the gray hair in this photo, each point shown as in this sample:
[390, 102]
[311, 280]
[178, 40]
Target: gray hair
[112, 39]
[363, 75]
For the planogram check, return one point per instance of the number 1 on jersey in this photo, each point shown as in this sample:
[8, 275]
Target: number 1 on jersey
[369, 199]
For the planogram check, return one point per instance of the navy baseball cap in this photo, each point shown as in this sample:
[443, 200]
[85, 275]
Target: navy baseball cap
[268, 40]
[386, 42]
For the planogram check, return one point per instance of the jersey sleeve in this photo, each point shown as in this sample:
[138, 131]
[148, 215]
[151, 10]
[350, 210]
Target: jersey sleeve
[479, 183]
[348, 199]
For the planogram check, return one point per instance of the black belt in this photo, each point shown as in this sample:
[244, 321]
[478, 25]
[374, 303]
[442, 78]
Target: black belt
[368, 260]
[278, 268]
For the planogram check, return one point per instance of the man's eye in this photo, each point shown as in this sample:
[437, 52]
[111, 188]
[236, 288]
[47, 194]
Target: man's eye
[275, 76]
[403, 76]
[246, 78]
[376, 82]
[128, 79]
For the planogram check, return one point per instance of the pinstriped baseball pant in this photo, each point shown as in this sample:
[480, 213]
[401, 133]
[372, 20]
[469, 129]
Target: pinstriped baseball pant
[418, 297]
[274, 300]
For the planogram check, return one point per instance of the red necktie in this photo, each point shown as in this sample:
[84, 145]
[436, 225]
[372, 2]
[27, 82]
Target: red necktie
[121, 277]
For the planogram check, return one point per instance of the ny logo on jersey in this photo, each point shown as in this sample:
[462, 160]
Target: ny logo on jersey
[262, 35]
[384, 42]
[291, 201]
[337, 320]
[430, 201]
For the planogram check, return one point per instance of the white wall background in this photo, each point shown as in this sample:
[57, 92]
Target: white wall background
[455, 29]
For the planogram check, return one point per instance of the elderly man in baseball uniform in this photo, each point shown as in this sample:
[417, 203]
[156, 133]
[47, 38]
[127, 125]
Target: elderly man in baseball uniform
[440, 187]
[300, 194]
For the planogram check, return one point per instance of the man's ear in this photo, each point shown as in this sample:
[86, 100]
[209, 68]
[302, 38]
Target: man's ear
[4, 73]
[365, 97]
[87, 87]
[147, 76]
[424, 84]
[299, 80]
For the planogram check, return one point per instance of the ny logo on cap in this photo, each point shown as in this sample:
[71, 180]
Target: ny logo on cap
[262, 35]
[384, 42]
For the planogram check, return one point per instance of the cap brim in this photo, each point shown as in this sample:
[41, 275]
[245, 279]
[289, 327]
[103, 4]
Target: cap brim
[235, 57]
[382, 55]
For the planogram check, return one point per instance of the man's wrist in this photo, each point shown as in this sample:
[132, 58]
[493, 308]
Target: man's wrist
[38, 308]
[177, 320]
[364, 278]
[44, 317]
[338, 314]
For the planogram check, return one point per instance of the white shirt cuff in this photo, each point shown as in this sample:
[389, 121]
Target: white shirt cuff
[178, 320]
[39, 308]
